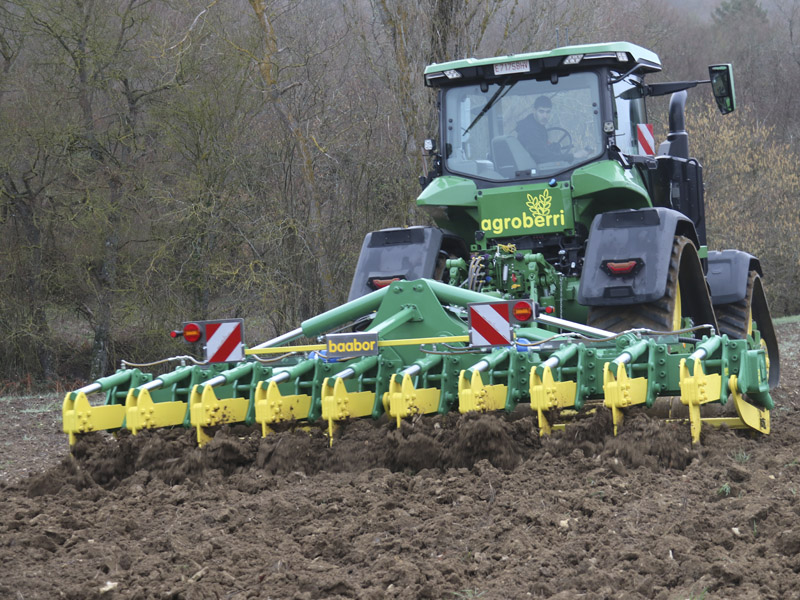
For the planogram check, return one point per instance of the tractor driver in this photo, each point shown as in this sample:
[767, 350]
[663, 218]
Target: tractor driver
[532, 134]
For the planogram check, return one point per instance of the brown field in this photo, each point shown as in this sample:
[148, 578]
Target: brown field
[453, 507]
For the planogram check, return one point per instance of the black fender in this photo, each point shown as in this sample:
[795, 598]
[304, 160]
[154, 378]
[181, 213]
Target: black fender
[645, 235]
[407, 253]
[728, 272]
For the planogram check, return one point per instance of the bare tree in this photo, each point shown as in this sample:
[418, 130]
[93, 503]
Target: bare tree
[93, 49]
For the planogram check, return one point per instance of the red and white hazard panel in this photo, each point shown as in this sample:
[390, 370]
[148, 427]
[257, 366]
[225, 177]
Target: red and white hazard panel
[490, 324]
[224, 341]
[647, 141]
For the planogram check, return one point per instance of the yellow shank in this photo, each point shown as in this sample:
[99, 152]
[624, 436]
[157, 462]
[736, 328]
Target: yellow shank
[697, 388]
[207, 410]
[404, 400]
[273, 407]
[473, 395]
[547, 394]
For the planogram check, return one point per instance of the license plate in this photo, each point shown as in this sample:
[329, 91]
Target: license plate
[518, 66]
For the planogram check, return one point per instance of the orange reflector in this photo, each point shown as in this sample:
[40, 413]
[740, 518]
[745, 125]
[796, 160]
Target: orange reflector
[522, 311]
[192, 332]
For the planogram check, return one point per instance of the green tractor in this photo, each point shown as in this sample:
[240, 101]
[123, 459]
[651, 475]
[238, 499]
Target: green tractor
[568, 270]
[547, 185]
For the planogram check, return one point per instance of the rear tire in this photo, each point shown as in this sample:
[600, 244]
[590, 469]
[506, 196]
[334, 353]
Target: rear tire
[686, 295]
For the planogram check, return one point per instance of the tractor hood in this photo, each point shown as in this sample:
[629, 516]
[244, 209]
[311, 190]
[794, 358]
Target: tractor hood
[456, 204]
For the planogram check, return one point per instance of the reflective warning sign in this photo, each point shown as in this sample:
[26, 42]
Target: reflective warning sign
[490, 324]
[224, 341]
[647, 141]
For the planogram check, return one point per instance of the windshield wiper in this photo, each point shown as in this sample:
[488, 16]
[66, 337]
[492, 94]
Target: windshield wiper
[495, 97]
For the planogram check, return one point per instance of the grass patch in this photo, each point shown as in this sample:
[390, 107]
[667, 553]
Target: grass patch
[741, 457]
[36, 403]
[10, 397]
[785, 320]
[44, 408]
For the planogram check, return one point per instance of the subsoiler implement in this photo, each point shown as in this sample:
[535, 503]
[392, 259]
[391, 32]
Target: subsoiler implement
[423, 363]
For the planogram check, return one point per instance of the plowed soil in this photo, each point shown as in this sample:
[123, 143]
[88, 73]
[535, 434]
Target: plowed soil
[445, 507]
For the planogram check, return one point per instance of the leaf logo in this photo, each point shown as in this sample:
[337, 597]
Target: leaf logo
[539, 205]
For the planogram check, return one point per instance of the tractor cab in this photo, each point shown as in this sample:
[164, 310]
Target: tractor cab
[522, 129]
[539, 116]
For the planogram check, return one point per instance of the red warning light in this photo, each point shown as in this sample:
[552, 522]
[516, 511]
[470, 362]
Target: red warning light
[382, 283]
[549, 310]
[192, 332]
[522, 311]
[618, 268]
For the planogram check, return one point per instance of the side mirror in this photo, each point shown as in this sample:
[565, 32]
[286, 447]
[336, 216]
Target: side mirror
[721, 77]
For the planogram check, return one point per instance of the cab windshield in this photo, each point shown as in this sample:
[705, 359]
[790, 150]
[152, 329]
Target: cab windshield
[523, 129]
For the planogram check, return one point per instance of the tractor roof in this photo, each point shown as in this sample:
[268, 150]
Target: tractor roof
[623, 55]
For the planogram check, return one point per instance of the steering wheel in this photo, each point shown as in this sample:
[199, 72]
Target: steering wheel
[560, 137]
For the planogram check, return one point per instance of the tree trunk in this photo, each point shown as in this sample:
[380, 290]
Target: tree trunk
[35, 331]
